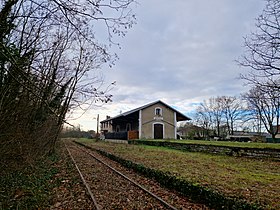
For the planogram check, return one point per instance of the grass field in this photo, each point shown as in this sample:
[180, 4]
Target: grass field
[227, 143]
[257, 181]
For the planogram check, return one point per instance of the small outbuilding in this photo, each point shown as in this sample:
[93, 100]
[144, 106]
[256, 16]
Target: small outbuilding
[155, 120]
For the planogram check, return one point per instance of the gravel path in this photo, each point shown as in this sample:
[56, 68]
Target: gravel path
[113, 192]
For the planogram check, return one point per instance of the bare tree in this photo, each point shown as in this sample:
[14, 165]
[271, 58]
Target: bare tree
[264, 103]
[233, 111]
[209, 114]
[204, 119]
[221, 114]
[49, 56]
[262, 55]
[215, 104]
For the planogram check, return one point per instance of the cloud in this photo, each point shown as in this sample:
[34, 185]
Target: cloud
[181, 52]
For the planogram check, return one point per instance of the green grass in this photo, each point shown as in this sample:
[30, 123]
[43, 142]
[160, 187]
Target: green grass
[257, 181]
[216, 143]
[226, 143]
[83, 140]
[30, 187]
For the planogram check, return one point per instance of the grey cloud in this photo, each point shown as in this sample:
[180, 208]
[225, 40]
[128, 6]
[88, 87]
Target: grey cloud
[183, 50]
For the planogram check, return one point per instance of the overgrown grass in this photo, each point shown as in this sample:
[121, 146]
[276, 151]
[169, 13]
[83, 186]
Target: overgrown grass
[257, 181]
[84, 140]
[29, 187]
[226, 143]
[216, 143]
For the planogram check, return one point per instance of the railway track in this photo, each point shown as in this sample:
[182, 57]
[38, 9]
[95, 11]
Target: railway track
[110, 188]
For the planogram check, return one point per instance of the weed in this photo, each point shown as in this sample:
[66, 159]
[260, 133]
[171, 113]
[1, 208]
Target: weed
[28, 188]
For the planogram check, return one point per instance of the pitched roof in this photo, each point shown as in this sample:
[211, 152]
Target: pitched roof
[180, 116]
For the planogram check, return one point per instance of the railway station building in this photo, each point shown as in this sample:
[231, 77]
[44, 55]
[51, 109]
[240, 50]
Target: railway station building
[156, 120]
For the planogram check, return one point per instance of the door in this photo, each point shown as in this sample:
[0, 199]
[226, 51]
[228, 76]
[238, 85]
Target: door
[158, 131]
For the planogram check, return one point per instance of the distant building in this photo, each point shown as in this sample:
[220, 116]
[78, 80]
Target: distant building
[156, 120]
[247, 136]
[278, 132]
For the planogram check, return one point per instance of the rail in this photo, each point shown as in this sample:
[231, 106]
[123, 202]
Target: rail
[117, 172]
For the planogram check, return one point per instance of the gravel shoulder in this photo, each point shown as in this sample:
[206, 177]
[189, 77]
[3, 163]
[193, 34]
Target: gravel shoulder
[70, 192]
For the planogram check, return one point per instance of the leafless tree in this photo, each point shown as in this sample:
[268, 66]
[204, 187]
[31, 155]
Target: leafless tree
[262, 55]
[233, 111]
[209, 114]
[203, 118]
[50, 52]
[264, 103]
[221, 114]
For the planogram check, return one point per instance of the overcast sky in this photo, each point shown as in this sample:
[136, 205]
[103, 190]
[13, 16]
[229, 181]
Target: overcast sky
[181, 52]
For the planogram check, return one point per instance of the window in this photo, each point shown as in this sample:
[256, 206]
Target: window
[128, 127]
[158, 111]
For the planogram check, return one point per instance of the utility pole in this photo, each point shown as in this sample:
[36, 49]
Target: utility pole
[97, 126]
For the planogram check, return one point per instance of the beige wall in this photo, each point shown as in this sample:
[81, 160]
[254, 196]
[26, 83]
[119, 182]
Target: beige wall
[107, 126]
[149, 118]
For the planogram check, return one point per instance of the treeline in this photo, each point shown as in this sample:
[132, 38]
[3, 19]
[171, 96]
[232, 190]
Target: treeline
[218, 117]
[49, 58]
[256, 111]
[76, 132]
